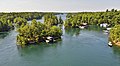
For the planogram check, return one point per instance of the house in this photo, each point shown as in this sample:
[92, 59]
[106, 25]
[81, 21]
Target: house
[104, 25]
[49, 39]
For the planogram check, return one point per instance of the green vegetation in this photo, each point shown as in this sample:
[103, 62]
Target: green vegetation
[115, 35]
[5, 25]
[26, 15]
[60, 20]
[9, 20]
[93, 18]
[111, 18]
[20, 21]
[50, 20]
[37, 32]
[34, 32]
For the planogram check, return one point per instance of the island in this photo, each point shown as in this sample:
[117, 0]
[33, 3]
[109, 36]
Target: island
[37, 32]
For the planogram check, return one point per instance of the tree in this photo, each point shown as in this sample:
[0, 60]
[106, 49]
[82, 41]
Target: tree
[37, 32]
[20, 21]
[50, 20]
[55, 31]
[60, 20]
[114, 35]
[112, 10]
[107, 10]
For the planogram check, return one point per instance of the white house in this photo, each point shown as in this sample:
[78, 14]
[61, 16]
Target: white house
[104, 25]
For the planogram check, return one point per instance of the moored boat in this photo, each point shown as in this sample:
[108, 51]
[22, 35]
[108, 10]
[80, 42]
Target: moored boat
[110, 44]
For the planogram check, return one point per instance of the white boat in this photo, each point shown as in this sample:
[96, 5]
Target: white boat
[47, 41]
[110, 44]
[81, 27]
[108, 29]
[49, 38]
[84, 23]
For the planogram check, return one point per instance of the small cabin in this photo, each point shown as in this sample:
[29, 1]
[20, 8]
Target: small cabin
[83, 25]
[49, 39]
[104, 25]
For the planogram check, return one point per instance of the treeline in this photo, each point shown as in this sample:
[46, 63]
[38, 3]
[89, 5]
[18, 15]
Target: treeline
[50, 19]
[34, 32]
[27, 15]
[37, 32]
[5, 25]
[111, 17]
[9, 20]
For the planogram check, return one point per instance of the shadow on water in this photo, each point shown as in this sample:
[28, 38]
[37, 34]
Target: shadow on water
[94, 28]
[37, 50]
[76, 31]
[72, 31]
[3, 35]
[116, 51]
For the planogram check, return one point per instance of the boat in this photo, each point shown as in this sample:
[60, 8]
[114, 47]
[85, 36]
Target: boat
[108, 29]
[47, 41]
[110, 44]
[49, 38]
[81, 27]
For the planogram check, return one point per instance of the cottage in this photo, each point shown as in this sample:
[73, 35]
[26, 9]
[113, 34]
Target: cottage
[49, 39]
[104, 25]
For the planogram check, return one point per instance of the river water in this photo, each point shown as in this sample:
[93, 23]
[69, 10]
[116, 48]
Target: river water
[86, 47]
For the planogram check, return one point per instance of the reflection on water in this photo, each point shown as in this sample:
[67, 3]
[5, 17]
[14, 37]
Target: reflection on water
[116, 51]
[94, 28]
[34, 49]
[3, 35]
[72, 31]
[76, 31]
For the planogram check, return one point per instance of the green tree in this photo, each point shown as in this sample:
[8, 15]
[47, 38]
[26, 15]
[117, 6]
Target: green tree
[60, 20]
[20, 21]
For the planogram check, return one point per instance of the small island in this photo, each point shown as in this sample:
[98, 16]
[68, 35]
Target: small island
[37, 32]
